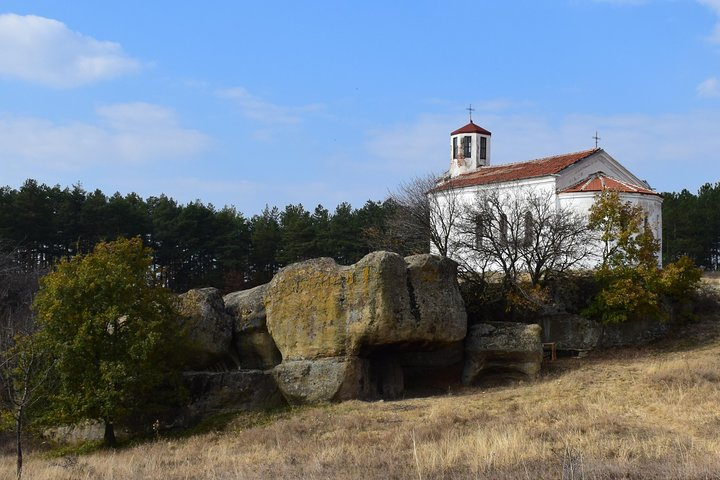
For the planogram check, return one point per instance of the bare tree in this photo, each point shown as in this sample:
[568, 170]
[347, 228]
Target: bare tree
[557, 239]
[424, 216]
[23, 370]
[521, 232]
[490, 235]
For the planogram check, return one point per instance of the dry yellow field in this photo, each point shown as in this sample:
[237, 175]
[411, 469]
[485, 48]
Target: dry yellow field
[645, 413]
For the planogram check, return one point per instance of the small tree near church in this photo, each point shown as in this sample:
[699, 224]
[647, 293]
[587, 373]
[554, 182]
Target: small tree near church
[113, 335]
[631, 283]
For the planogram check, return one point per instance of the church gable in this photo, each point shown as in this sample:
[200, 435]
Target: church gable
[599, 181]
[600, 162]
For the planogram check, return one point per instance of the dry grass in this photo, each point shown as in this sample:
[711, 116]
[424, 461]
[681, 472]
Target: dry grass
[648, 413]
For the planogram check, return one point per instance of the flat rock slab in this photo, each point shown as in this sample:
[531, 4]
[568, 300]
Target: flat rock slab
[323, 380]
[573, 332]
[502, 349]
[238, 390]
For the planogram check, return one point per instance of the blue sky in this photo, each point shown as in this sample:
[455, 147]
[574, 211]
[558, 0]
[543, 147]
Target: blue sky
[253, 103]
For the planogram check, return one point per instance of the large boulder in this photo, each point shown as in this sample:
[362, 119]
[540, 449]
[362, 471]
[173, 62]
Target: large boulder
[254, 345]
[343, 331]
[435, 294]
[223, 392]
[502, 349]
[323, 379]
[318, 309]
[208, 328]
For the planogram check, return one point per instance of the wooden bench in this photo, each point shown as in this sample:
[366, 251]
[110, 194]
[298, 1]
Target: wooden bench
[553, 351]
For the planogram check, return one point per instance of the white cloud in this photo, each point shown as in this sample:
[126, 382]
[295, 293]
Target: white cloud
[133, 133]
[709, 88]
[256, 108]
[714, 5]
[415, 147]
[45, 51]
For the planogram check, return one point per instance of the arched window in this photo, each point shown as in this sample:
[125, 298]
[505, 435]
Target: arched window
[503, 229]
[528, 233]
[466, 143]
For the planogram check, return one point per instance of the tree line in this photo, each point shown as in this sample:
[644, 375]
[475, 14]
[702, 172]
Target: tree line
[197, 244]
[691, 226]
[194, 244]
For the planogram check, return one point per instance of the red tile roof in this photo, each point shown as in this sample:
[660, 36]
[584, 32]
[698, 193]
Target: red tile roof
[471, 128]
[516, 171]
[598, 182]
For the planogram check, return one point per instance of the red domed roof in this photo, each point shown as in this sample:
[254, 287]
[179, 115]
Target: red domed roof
[471, 128]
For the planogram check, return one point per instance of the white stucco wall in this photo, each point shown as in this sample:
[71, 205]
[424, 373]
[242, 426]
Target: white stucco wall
[651, 204]
[578, 202]
[468, 195]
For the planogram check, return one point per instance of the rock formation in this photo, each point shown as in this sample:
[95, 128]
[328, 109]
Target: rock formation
[502, 349]
[251, 340]
[358, 321]
[209, 329]
[576, 333]
[221, 392]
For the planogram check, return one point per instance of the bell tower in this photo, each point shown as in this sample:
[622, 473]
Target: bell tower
[469, 148]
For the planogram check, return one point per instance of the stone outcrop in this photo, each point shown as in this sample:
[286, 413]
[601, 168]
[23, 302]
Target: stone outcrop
[341, 330]
[208, 328]
[223, 392]
[571, 332]
[252, 342]
[318, 309]
[502, 349]
[85, 431]
[576, 333]
[324, 379]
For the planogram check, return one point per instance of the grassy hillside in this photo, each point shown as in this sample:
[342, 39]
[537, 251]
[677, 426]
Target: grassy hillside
[633, 413]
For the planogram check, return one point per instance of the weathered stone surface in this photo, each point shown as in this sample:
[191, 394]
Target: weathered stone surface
[209, 328]
[319, 309]
[505, 349]
[254, 345]
[573, 332]
[238, 390]
[323, 379]
[434, 290]
[638, 331]
[247, 308]
[87, 431]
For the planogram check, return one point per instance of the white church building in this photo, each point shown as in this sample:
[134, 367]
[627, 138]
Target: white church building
[570, 180]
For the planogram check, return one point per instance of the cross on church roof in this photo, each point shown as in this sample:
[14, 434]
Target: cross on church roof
[470, 109]
[596, 138]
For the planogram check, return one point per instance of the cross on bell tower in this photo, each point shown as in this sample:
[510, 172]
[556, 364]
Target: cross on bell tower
[470, 110]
